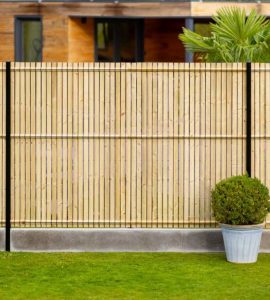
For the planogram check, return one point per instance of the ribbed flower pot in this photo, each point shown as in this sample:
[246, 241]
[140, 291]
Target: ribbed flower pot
[242, 242]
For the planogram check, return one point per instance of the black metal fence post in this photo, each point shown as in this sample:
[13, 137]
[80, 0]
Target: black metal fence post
[8, 181]
[248, 118]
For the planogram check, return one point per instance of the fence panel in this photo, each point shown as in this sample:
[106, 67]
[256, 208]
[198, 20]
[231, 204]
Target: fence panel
[121, 144]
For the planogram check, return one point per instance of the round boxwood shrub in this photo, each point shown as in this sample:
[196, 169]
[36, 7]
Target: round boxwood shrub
[240, 200]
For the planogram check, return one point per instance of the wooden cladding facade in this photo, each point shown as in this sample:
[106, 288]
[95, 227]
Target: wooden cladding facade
[81, 40]
[67, 39]
[128, 145]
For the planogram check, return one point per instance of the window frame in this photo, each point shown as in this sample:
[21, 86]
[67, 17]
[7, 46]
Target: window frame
[18, 47]
[139, 32]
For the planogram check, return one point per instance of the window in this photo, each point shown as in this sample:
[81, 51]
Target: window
[119, 40]
[28, 40]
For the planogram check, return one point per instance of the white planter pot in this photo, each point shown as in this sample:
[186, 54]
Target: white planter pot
[242, 242]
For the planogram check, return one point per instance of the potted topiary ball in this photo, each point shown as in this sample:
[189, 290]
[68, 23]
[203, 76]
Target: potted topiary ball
[240, 204]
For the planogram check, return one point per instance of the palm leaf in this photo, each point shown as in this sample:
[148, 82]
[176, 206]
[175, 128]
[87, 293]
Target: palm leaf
[235, 37]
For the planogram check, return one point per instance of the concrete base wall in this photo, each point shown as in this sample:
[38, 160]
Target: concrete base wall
[2, 239]
[120, 240]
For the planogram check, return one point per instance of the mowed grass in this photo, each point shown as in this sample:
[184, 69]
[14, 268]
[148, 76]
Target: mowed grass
[131, 276]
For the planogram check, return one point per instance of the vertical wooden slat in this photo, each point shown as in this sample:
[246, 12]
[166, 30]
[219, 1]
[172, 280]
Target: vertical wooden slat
[96, 146]
[138, 145]
[123, 144]
[69, 146]
[49, 153]
[240, 122]
[64, 144]
[170, 146]
[102, 120]
[28, 160]
[196, 168]
[181, 144]
[54, 131]
[265, 113]
[229, 117]
[191, 151]
[186, 132]
[202, 92]
[256, 117]
[267, 132]
[128, 144]
[38, 145]
[85, 131]
[166, 153]
[234, 118]
[59, 145]
[257, 100]
[213, 132]
[118, 198]
[223, 117]
[154, 146]
[133, 130]
[76, 146]
[262, 122]
[81, 156]
[218, 121]
[208, 115]
[22, 148]
[107, 146]
[144, 148]
[112, 145]
[91, 146]
[149, 132]
[32, 141]
[43, 142]
[176, 120]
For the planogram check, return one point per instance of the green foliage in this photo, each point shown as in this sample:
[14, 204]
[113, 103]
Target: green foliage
[240, 200]
[234, 38]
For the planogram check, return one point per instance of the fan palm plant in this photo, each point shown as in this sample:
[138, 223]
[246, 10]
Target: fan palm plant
[234, 37]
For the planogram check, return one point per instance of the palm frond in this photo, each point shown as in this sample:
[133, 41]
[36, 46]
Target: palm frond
[235, 37]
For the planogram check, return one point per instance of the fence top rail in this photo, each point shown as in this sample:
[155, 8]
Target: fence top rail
[125, 67]
[133, 67]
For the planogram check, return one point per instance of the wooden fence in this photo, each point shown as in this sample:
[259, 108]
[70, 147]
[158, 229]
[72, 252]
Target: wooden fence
[128, 145]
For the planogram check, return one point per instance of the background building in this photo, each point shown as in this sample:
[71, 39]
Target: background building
[99, 30]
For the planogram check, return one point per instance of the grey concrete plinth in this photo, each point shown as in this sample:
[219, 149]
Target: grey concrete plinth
[122, 240]
[2, 239]
[109, 240]
[265, 243]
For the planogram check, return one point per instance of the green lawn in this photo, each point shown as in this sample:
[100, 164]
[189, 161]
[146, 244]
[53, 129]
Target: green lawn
[131, 276]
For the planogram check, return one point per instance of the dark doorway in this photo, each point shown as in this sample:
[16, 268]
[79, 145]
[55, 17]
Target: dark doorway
[119, 40]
